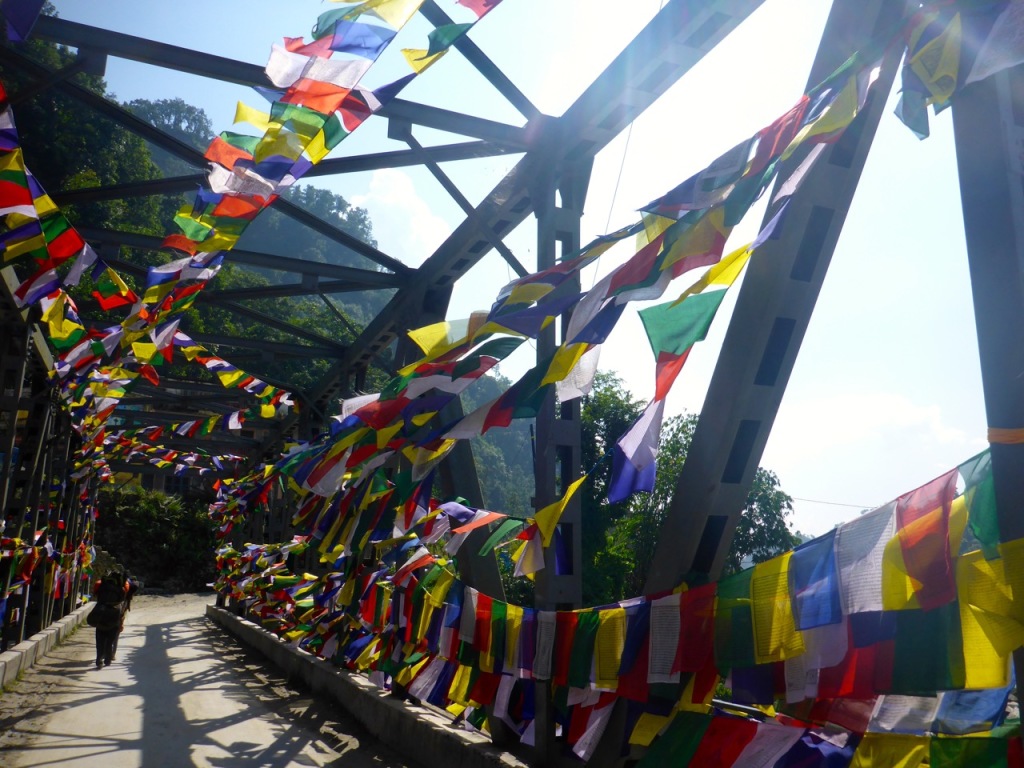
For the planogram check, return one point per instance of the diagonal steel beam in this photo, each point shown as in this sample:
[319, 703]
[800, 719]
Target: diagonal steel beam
[673, 41]
[482, 63]
[405, 131]
[273, 322]
[773, 309]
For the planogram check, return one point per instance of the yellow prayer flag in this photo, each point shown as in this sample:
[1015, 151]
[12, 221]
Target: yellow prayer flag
[548, 517]
[724, 272]
[834, 118]
[157, 293]
[937, 63]
[44, 205]
[385, 434]
[20, 247]
[254, 117]
[143, 351]
[890, 750]
[279, 141]
[513, 626]
[775, 634]
[13, 160]
[406, 674]
[266, 411]
[459, 691]
[706, 235]
[989, 634]
[563, 361]
[646, 728]
[419, 60]
[394, 12]
[654, 225]
[218, 241]
[611, 639]
[899, 588]
[230, 378]
[527, 293]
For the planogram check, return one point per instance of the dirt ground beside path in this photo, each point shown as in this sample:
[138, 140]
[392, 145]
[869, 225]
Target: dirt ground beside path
[180, 693]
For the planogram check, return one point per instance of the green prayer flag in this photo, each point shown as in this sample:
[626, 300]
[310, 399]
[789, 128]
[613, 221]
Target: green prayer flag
[980, 495]
[734, 622]
[241, 141]
[506, 527]
[676, 328]
[678, 744]
[442, 38]
[956, 752]
[581, 658]
[929, 655]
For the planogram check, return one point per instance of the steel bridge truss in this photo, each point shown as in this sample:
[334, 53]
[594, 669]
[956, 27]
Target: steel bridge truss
[548, 182]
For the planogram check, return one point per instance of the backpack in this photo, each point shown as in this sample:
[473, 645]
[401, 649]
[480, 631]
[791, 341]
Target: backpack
[109, 592]
[105, 616]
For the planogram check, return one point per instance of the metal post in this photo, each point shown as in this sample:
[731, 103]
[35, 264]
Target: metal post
[557, 458]
[988, 127]
[12, 364]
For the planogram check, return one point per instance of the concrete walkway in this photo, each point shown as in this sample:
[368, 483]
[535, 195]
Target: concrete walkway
[181, 693]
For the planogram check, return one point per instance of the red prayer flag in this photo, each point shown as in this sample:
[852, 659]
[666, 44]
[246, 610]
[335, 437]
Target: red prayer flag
[723, 741]
[181, 243]
[773, 140]
[923, 519]
[317, 95]
[696, 630]
[225, 154]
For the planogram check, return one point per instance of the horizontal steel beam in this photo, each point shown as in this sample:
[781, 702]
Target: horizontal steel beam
[443, 153]
[276, 348]
[220, 68]
[366, 278]
[278, 291]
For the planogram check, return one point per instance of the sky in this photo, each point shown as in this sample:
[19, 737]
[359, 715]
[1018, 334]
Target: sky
[886, 391]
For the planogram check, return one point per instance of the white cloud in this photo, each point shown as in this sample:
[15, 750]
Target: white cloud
[862, 448]
[403, 223]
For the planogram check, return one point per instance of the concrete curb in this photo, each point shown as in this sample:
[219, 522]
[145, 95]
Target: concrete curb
[25, 654]
[414, 731]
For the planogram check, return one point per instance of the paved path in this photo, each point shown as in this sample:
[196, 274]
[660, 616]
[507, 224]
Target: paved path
[180, 693]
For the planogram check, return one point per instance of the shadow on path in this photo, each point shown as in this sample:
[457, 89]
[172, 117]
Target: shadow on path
[181, 693]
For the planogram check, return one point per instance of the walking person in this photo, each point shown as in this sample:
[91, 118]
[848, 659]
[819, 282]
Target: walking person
[107, 617]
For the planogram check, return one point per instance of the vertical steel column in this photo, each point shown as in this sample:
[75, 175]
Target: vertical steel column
[13, 362]
[772, 312]
[557, 459]
[988, 127]
[36, 606]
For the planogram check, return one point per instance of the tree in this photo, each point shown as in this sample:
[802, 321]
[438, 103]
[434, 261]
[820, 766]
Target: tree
[619, 540]
[762, 532]
[165, 540]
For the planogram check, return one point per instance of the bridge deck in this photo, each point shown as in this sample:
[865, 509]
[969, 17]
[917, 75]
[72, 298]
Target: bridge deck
[180, 693]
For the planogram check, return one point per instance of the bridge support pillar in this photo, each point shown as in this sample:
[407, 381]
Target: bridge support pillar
[988, 127]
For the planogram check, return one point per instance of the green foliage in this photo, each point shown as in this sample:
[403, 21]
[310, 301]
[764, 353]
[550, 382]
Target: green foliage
[619, 540]
[606, 414]
[68, 146]
[763, 531]
[504, 457]
[164, 540]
